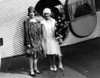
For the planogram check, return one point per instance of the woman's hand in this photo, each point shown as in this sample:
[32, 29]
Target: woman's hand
[29, 45]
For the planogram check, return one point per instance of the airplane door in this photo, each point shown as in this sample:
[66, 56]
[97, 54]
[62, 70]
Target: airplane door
[82, 15]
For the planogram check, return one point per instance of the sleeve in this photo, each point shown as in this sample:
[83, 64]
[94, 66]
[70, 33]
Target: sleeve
[44, 39]
[26, 34]
[40, 31]
[43, 32]
[54, 28]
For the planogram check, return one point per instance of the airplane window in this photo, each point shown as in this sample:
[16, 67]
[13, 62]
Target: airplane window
[80, 8]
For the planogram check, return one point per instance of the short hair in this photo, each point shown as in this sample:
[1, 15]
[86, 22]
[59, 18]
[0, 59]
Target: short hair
[31, 8]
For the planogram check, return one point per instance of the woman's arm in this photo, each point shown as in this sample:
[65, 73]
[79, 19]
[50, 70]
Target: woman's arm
[44, 39]
[26, 34]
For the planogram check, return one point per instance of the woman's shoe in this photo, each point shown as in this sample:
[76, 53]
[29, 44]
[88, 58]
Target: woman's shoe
[55, 68]
[32, 74]
[37, 71]
[61, 66]
[51, 68]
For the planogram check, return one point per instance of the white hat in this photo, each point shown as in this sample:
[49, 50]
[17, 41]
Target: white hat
[47, 10]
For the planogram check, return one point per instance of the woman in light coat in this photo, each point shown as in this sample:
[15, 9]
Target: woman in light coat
[52, 47]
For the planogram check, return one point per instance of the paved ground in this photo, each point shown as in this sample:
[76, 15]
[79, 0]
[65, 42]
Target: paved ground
[80, 60]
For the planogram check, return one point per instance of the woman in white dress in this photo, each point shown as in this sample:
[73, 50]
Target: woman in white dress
[51, 45]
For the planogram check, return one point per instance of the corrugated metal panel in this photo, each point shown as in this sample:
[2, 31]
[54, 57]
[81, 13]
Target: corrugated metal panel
[12, 14]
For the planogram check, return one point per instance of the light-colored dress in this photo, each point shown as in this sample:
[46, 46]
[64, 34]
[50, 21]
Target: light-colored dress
[51, 45]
